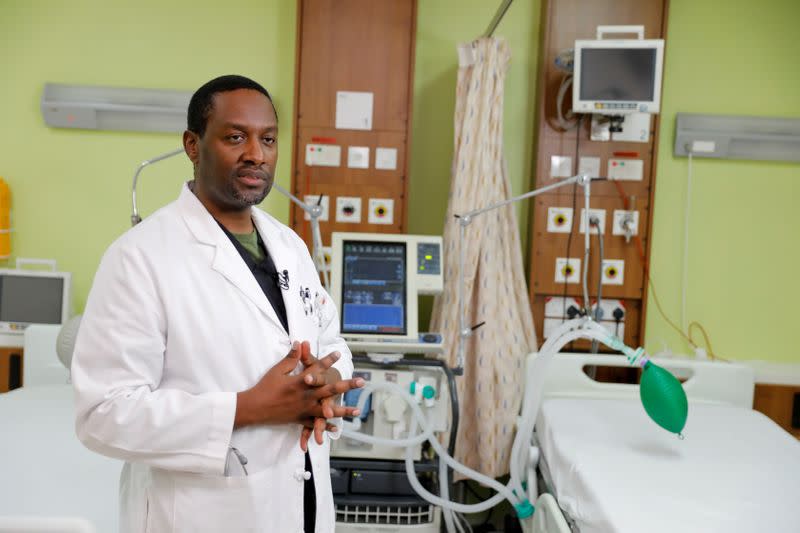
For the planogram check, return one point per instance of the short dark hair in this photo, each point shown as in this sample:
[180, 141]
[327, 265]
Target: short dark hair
[202, 101]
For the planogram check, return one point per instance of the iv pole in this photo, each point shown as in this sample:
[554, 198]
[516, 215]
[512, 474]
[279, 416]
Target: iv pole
[314, 213]
[465, 331]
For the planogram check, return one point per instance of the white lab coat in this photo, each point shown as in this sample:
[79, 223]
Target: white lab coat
[174, 326]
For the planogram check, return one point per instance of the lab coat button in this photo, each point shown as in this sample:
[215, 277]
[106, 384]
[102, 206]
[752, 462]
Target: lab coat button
[302, 475]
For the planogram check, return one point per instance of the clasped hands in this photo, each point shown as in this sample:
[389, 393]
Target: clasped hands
[307, 398]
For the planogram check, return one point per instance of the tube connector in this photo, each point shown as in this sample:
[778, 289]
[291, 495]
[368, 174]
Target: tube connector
[315, 211]
[524, 509]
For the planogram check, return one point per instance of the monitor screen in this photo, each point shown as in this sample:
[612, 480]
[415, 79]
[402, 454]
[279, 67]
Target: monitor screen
[374, 287]
[618, 74]
[31, 299]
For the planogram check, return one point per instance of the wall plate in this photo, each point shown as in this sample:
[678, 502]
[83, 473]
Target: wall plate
[599, 213]
[560, 166]
[386, 158]
[625, 169]
[326, 254]
[312, 199]
[601, 128]
[381, 211]
[557, 306]
[323, 155]
[589, 166]
[559, 219]
[607, 308]
[635, 128]
[568, 272]
[621, 215]
[348, 209]
[613, 272]
[357, 157]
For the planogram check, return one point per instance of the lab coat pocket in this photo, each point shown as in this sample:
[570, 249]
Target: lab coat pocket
[259, 503]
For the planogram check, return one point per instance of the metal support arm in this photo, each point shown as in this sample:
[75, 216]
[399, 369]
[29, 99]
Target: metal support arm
[314, 212]
[466, 331]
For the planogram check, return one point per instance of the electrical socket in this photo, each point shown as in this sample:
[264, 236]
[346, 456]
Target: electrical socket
[556, 306]
[607, 308]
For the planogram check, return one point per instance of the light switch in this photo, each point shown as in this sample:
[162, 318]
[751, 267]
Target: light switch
[358, 157]
[386, 158]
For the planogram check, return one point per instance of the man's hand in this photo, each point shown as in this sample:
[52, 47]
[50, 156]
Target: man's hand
[319, 373]
[280, 398]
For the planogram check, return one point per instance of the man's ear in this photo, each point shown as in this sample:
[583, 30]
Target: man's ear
[190, 145]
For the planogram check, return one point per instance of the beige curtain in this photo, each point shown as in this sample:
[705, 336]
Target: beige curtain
[495, 291]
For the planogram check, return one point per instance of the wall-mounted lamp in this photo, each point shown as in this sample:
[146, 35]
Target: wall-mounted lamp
[114, 108]
[738, 137]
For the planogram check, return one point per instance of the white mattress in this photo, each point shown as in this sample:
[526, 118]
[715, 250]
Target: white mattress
[615, 470]
[44, 470]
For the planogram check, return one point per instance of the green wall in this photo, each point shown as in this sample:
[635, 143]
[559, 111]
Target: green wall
[71, 189]
[744, 249]
[441, 26]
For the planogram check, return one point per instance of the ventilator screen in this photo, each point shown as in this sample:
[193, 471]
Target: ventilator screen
[374, 287]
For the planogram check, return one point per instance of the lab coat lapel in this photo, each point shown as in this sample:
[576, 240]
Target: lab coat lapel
[286, 262]
[227, 260]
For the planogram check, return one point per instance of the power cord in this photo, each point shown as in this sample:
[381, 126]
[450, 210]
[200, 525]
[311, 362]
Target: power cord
[574, 205]
[594, 221]
[652, 287]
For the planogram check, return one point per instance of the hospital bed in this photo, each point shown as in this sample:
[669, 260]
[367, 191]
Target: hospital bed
[49, 482]
[603, 466]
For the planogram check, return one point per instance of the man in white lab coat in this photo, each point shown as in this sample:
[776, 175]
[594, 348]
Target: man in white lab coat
[209, 355]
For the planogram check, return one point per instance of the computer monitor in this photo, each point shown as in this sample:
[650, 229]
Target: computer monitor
[617, 77]
[376, 280]
[33, 297]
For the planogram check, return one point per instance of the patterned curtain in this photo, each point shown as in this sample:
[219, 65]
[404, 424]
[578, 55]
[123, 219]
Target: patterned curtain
[491, 388]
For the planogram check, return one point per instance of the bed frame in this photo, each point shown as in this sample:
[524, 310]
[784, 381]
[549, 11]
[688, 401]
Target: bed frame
[703, 381]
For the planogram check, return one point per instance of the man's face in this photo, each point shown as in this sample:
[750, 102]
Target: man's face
[235, 159]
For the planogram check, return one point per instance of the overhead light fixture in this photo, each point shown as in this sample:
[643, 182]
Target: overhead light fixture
[114, 108]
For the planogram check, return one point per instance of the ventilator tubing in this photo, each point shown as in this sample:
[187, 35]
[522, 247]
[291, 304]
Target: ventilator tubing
[513, 492]
[419, 419]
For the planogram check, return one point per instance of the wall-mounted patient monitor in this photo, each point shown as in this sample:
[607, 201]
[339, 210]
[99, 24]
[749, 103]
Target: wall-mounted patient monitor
[618, 76]
[33, 297]
[376, 280]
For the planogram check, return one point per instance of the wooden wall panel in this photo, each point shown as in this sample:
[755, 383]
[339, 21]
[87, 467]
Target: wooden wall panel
[564, 22]
[361, 46]
[11, 368]
[778, 403]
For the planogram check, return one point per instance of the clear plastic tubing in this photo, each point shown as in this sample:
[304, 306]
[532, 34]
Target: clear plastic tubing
[419, 419]
[513, 492]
